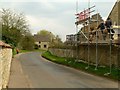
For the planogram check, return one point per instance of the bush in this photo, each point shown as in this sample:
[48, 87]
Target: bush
[27, 43]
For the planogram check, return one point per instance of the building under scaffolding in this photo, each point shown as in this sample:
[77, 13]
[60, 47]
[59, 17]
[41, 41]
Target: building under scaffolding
[91, 39]
[82, 35]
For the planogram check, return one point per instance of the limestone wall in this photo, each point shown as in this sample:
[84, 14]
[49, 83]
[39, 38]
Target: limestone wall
[5, 63]
[115, 13]
[81, 53]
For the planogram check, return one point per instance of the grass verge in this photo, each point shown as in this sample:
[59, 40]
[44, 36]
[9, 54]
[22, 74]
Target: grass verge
[24, 51]
[101, 71]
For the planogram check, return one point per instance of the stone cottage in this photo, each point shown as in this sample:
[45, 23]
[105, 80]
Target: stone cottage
[115, 17]
[42, 41]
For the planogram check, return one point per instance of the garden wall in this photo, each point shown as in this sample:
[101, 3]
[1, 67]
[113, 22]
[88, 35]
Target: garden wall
[5, 63]
[81, 53]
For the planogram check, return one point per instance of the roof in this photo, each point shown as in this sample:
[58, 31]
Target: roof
[42, 38]
[4, 44]
[113, 7]
[115, 12]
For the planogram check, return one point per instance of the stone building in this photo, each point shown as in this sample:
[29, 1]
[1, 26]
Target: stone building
[115, 14]
[42, 41]
[95, 20]
[115, 17]
[89, 29]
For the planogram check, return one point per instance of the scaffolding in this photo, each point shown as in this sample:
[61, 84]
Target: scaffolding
[88, 37]
[98, 37]
[81, 19]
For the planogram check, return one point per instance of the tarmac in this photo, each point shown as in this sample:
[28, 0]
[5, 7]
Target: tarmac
[17, 77]
[31, 71]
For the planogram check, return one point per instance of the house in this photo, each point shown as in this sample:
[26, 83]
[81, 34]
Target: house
[89, 29]
[115, 13]
[70, 39]
[42, 41]
[115, 17]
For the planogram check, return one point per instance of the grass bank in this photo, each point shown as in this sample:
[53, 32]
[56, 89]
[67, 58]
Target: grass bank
[101, 71]
[24, 51]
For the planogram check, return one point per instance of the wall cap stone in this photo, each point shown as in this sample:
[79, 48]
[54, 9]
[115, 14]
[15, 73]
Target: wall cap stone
[4, 44]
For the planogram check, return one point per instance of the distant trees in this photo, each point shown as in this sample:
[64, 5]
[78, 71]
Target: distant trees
[46, 33]
[57, 42]
[27, 42]
[14, 27]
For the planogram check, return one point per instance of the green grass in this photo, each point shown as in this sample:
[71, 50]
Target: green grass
[14, 52]
[82, 66]
[24, 51]
[20, 51]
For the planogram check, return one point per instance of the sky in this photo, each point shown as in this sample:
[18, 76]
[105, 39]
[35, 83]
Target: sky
[56, 16]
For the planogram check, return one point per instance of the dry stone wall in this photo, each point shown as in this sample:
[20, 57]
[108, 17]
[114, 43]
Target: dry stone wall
[5, 64]
[81, 53]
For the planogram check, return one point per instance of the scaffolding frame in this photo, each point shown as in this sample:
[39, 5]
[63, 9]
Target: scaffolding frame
[96, 43]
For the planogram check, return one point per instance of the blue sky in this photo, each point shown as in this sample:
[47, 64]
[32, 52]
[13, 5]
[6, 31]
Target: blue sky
[57, 16]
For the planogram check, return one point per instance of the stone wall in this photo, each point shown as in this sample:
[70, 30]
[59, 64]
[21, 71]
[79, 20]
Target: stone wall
[115, 13]
[81, 53]
[5, 63]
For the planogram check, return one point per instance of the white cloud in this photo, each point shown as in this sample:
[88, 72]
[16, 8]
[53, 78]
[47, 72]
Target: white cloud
[49, 24]
[37, 0]
[47, 5]
[57, 0]
[32, 20]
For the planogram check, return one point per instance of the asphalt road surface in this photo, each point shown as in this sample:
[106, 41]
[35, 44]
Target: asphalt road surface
[42, 73]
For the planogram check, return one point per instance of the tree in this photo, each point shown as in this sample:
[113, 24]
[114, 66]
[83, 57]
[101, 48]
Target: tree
[45, 32]
[27, 42]
[14, 27]
[58, 42]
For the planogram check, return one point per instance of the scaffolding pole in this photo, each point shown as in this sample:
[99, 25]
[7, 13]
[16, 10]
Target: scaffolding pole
[76, 33]
[88, 35]
[83, 34]
[110, 52]
[97, 44]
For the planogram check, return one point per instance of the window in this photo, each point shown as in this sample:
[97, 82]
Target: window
[39, 42]
[45, 46]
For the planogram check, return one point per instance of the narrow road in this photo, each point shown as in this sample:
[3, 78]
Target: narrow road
[41, 73]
